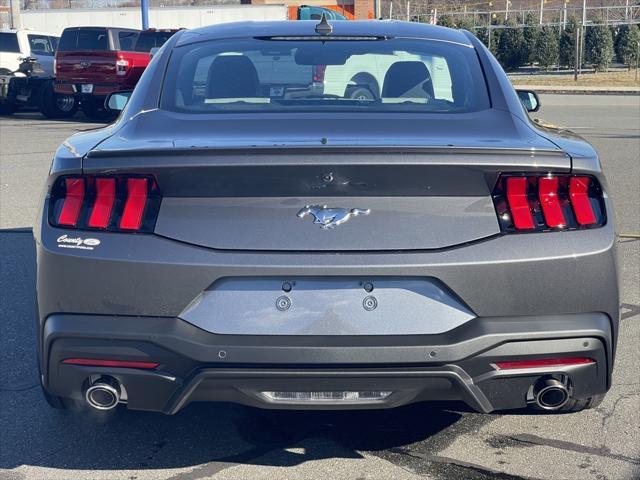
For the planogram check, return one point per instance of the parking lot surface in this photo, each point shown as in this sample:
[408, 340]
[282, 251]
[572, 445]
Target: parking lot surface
[223, 441]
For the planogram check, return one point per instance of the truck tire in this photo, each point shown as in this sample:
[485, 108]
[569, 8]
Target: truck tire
[54, 105]
[7, 108]
[362, 94]
[94, 109]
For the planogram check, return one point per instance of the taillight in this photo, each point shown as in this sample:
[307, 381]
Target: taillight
[137, 189]
[318, 73]
[126, 203]
[548, 202]
[74, 197]
[122, 66]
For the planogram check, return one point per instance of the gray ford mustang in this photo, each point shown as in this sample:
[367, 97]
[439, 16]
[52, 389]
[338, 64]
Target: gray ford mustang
[305, 215]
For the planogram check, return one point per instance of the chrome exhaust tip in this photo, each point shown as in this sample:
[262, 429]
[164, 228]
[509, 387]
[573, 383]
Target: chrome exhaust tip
[104, 394]
[550, 394]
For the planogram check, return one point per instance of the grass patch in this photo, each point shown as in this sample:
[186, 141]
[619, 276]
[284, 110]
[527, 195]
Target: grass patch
[618, 78]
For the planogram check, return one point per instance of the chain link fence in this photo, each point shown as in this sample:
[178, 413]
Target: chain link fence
[610, 15]
[58, 4]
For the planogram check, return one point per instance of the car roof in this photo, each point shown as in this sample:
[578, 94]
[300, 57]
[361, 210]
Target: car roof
[95, 27]
[28, 30]
[375, 28]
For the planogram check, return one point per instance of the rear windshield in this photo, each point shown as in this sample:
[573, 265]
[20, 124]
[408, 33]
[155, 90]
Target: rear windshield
[272, 75]
[9, 42]
[42, 44]
[149, 40]
[84, 39]
[127, 40]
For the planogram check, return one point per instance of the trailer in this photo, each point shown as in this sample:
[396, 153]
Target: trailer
[56, 20]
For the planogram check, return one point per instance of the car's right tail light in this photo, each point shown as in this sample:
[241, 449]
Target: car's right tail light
[530, 203]
[121, 203]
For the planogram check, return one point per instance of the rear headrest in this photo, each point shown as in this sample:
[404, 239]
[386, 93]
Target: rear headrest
[232, 76]
[405, 77]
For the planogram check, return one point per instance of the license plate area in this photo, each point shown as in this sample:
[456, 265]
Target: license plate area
[327, 306]
[86, 88]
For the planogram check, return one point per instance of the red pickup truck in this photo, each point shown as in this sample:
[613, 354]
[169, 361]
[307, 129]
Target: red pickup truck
[92, 62]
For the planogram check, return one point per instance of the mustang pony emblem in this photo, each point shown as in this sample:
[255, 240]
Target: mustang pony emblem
[330, 217]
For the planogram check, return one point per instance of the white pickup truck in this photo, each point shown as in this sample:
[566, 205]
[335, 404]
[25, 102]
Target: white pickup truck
[27, 74]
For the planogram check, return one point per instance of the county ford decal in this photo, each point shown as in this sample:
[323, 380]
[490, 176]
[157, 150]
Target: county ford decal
[77, 242]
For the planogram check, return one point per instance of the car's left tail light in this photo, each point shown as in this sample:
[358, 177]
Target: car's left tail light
[118, 203]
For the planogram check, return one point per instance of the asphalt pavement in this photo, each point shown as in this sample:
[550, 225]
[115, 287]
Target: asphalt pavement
[224, 441]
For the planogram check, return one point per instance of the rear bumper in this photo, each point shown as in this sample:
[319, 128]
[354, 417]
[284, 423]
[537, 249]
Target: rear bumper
[201, 366]
[99, 89]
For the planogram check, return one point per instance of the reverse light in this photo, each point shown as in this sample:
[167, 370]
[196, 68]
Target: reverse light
[125, 203]
[122, 66]
[543, 362]
[548, 202]
[94, 362]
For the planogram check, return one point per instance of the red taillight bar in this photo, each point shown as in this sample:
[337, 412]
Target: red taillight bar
[73, 199]
[94, 362]
[579, 193]
[548, 192]
[134, 206]
[543, 362]
[530, 202]
[105, 196]
[518, 201]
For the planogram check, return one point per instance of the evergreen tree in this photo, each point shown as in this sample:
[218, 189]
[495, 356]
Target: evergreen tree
[568, 43]
[510, 46]
[599, 46]
[626, 45]
[547, 47]
[483, 35]
[530, 38]
[464, 23]
[446, 21]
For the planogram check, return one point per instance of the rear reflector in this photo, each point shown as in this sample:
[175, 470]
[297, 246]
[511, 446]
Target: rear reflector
[548, 202]
[93, 362]
[74, 195]
[113, 203]
[543, 362]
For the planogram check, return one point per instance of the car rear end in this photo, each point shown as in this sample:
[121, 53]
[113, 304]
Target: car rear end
[281, 260]
[92, 62]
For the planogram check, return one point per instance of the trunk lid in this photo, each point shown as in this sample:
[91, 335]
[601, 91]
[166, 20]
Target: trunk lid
[87, 66]
[239, 184]
[99, 67]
